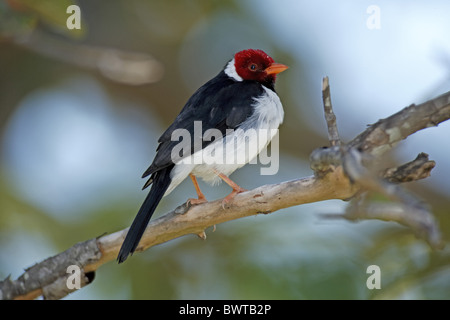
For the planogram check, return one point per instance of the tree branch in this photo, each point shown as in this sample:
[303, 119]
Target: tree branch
[340, 172]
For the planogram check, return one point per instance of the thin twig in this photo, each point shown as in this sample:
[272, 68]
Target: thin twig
[330, 117]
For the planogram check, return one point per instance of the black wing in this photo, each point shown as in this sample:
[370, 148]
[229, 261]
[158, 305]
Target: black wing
[221, 103]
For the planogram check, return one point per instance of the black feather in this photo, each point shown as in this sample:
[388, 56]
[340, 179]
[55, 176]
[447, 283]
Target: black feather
[161, 182]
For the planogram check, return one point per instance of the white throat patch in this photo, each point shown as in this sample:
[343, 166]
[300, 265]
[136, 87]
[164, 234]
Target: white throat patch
[230, 71]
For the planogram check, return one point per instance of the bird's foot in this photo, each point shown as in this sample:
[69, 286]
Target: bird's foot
[232, 195]
[201, 196]
[194, 202]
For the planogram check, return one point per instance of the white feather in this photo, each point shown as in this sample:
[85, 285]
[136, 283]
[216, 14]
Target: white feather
[230, 71]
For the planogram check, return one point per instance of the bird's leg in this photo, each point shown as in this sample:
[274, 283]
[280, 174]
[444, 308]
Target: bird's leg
[236, 188]
[201, 196]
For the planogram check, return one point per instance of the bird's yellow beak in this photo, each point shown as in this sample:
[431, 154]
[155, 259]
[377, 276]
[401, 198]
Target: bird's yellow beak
[275, 68]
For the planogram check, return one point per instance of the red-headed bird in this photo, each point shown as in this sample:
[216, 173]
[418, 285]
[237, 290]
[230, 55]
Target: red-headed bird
[240, 99]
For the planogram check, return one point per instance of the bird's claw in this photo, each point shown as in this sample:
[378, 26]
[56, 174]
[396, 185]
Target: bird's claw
[232, 195]
[194, 202]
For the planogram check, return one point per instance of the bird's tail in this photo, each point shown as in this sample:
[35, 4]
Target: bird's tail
[161, 182]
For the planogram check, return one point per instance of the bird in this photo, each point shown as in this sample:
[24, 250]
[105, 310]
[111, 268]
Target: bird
[223, 118]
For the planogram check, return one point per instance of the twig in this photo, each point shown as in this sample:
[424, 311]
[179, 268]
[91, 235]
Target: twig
[419, 168]
[333, 134]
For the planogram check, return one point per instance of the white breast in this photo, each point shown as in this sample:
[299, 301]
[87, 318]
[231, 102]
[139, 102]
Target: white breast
[236, 149]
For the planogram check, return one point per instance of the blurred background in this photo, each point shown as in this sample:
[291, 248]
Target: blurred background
[81, 111]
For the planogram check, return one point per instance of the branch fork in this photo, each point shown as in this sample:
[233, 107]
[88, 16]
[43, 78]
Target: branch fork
[404, 207]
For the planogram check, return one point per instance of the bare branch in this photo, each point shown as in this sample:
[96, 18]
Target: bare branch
[127, 67]
[44, 277]
[419, 168]
[340, 173]
[386, 133]
[333, 134]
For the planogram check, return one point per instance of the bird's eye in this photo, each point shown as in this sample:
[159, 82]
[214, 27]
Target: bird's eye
[252, 67]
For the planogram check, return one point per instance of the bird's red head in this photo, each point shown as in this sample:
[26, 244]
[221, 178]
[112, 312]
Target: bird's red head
[257, 65]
